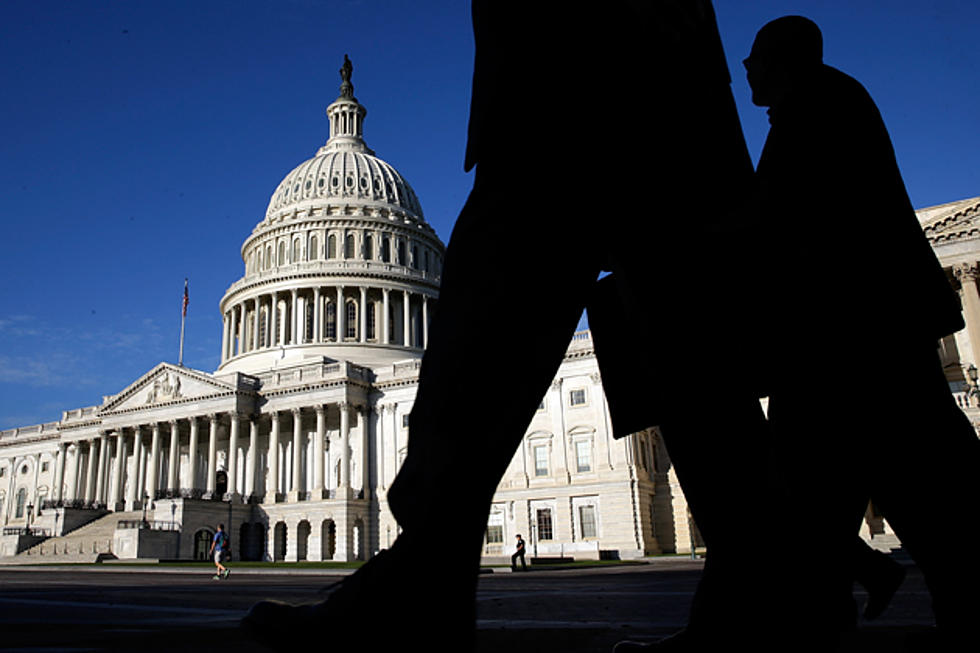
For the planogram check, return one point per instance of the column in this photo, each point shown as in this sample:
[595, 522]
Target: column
[272, 482]
[233, 454]
[967, 275]
[256, 342]
[294, 331]
[191, 481]
[425, 321]
[294, 487]
[212, 481]
[343, 483]
[115, 495]
[406, 320]
[384, 318]
[341, 315]
[319, 451]
[242, 348]
[59, 474]
[253, 450]
[100, 484]
[90, 474]
[362, 314]
[75, 487]
[364, 417]
[172, 484]
[317, 315]
[134, 470]
[224, 337]
[153, 465]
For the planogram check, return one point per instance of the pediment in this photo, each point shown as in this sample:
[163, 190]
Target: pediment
[166, 384]
[948, 223]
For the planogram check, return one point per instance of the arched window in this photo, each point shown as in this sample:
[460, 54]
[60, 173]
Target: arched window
[294, 255]
[330, 324]
[349, 246]
[368, 247]
[386, 249]
[401, 252]
[314, 253]
[351, 320]
[282, 253]
[415, 257]
[268, 257]
[21, 503]
[426, 261]
[263, 327]
[331, 246]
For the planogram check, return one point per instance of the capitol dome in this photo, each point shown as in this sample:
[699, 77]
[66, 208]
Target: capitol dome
[343, 264]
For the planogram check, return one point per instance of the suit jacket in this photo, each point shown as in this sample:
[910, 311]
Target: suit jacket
[848, 260]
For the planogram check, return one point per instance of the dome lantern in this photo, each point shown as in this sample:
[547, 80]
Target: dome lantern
[346, 117]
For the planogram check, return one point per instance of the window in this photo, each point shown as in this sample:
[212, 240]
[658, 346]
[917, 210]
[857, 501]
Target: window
[545, 531]
[294, 255]
[331, 322]
[415, 257]
[351, 320]
[586, 521]
[405, 421]
[308, 328]
[583, 455]
[21, 502]
[369, 247]
[576, 397]
[331, 246]
[372, 321]
[268, 257]
[386, 250]
[314, 252]
[44, 466]
[401, 252]
[349, 246]
[541, 460]
[282, 253]
[495, 534]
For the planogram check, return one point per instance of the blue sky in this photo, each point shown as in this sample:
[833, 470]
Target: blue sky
[140, 143]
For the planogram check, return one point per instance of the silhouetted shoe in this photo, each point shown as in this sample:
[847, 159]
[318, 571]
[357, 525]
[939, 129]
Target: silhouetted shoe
[389, 600]
[680, 642]
[881, 586]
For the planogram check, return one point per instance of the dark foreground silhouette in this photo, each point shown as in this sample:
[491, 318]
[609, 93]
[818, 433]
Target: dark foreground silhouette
[578, 171]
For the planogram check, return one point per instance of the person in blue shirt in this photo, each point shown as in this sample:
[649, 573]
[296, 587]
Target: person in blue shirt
[218, 545]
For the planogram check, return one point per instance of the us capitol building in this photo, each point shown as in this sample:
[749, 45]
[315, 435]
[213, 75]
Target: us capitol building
[295, 439]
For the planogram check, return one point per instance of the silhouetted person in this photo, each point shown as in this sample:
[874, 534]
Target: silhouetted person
[859, 404]
[576, 171]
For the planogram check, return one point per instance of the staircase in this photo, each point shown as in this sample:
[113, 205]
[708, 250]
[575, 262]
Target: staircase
[89, 543]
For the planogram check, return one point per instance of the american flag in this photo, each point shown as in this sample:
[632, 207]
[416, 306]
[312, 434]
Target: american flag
[186, 299]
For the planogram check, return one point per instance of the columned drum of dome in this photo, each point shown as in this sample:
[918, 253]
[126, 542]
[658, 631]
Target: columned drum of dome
[343, 264]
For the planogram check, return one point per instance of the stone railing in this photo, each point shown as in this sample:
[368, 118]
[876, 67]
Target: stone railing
[155, 525]
[30, 532]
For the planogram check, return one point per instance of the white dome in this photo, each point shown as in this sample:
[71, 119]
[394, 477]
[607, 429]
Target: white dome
[343, 176]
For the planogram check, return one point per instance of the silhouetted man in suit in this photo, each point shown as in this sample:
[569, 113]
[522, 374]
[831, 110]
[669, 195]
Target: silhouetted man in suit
[859, 405]
[577, 170]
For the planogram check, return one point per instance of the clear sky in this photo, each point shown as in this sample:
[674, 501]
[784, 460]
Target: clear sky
[140, 142]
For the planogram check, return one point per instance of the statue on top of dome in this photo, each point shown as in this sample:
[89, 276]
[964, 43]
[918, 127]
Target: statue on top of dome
[346, 88]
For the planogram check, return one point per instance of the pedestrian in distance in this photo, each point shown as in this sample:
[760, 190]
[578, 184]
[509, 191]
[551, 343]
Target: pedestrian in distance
[518, 553]
[219, 546]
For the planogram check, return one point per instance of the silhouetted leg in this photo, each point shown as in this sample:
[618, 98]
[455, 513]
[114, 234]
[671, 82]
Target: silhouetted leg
[515, 281]
[924, 468]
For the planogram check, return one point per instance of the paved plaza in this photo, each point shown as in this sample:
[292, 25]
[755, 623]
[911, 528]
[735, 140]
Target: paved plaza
[182, 609]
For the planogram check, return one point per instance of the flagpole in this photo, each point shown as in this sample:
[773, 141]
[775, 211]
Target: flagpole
[183, 316]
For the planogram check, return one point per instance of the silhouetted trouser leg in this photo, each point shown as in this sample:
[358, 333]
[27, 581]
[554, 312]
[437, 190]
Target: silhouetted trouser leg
[922, 464]
[515, 281]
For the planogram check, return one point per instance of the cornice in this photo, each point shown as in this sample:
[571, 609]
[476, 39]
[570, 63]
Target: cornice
[331, 275]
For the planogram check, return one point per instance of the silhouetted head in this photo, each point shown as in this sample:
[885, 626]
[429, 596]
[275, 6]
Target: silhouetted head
[221, 527]
[786, 51]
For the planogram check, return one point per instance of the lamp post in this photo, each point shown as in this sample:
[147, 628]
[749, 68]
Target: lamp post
[146, 498]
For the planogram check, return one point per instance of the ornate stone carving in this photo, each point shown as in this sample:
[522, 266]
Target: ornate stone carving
[164, 388]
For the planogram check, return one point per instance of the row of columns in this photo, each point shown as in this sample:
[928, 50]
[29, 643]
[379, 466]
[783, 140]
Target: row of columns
[290, 323]
[96, 485]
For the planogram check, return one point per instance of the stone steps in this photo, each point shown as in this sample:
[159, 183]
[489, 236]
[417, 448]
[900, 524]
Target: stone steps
[85, 544]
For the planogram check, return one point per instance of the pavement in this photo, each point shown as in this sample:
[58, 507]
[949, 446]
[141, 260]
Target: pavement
[577, 610]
